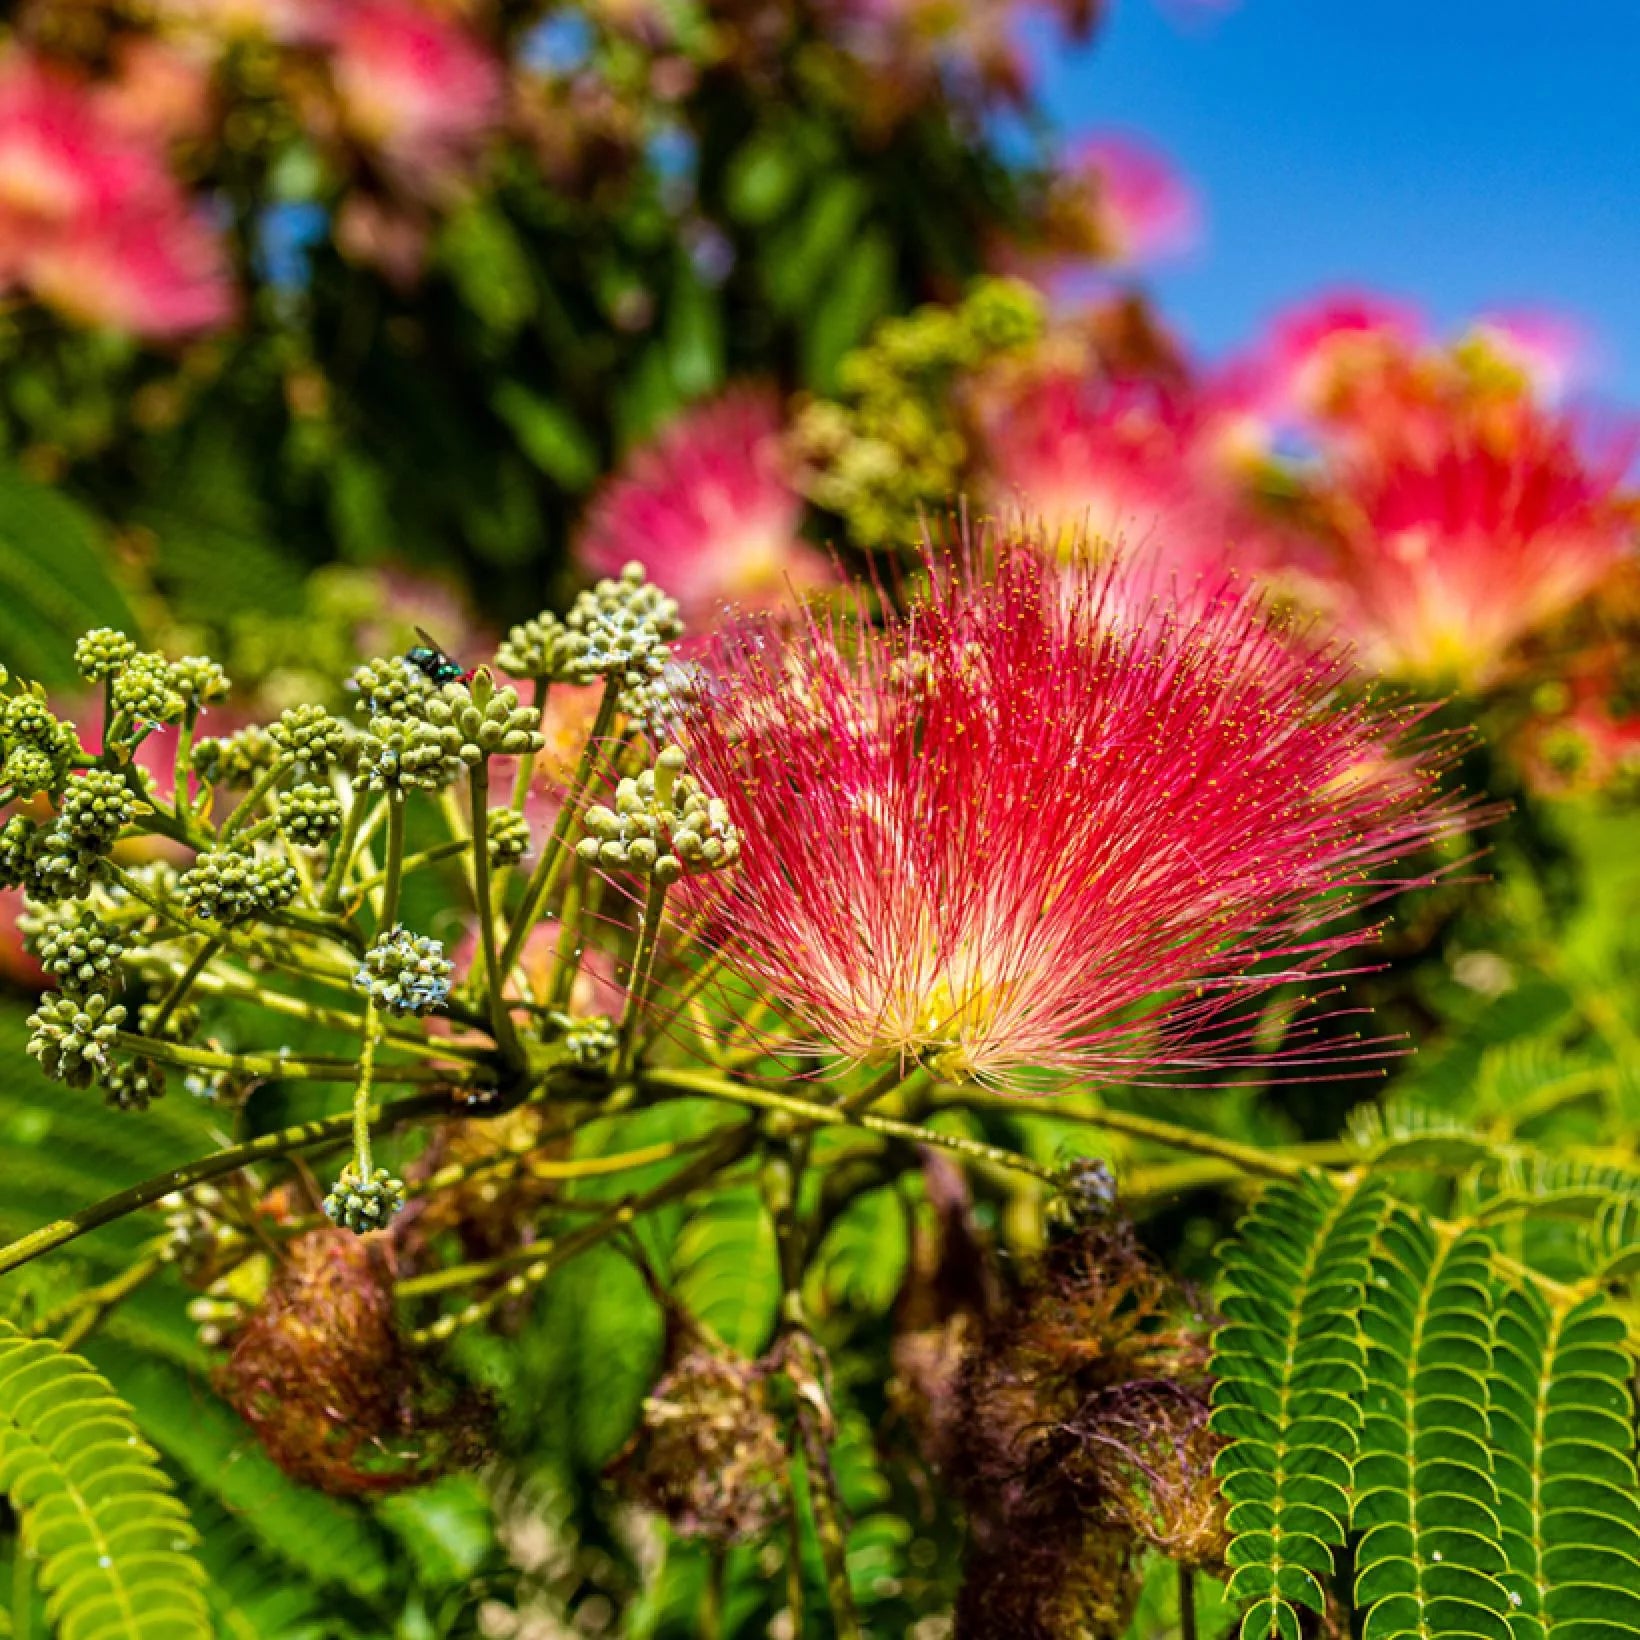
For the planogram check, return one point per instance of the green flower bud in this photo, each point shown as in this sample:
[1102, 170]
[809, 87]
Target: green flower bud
[61, 865]
[17, 844]
[544, 649]
[509, 836]
[200, 680]
[71, 1037]
[662, 825]
[146, 691]
[229, 887]
[236, 759]
[28, 771]
[95, 807]
[401, 754]
[586, 1043]
[102, 652]
[312, 736]
[405, 973]
[82, 954]
[133, 1084]
[363, 1205]
[390, 688]
[310, 815]
[471, 732]
[28, 721]
[623, 626]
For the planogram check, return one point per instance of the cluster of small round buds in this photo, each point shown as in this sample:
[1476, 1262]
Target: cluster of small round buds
[363, 1205]
[508, 833]
[236, 759]
[28, 771]
[27, 718]
[662, 825]
[400, 754]
[81, 955]
[585, 1043]
[621, 629]
[195, 1229]
[17, 839]
[390, 687]
[101, 653]
[310, 815]
[200, 680]
[661, 701]
[61, 866]
[229, 887]
[481, 724]
[311, 735]
[72, 1036]
[405, 973]
[146, 690]
[540, 648]
[95, 807]
[133, 1084]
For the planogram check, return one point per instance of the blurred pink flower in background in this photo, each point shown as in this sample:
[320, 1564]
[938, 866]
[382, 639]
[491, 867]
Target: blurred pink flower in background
[710, 511]
[1143, 207]
[1441, 547]
[416, 88]
[91, 220]
[1111, 461]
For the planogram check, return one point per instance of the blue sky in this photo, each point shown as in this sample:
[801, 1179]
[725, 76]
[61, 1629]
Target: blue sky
[1463, 154]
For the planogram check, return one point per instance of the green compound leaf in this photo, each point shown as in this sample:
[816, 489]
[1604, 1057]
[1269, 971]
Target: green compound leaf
[1429, 1559]
[1290, 1370]
[1561, 1420]
[114, 1543]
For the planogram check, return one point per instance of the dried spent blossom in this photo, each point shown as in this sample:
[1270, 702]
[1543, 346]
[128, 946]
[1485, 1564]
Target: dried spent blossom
[708, 1453]
[320, 1373]
[1041, 824]
[710, 509]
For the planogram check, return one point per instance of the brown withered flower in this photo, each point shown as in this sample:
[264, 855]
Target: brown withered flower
[708, 1452]
[323, 1377]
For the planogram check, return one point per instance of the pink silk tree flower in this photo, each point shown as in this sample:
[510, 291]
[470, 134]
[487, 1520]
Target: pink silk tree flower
[1447, 540]
[710, 509]
[412, 86]
[1142, 206]
[91, 221]
[1107, 464]
[1005, 835]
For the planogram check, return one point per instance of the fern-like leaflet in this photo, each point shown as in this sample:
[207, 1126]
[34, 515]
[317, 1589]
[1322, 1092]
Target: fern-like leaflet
[113, 1542]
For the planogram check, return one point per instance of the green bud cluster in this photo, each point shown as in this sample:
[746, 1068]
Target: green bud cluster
[621, 629]
[181, 1024]
[405, 973]
[390, 687]
[310, 815]
[146, 691]
[95, 807]
[230, 887]
[72, 1037]
[61, 866]
[200, 681]
[476, 724]
[585, 1043]
[661, 826]
[509, 836]
[81, 954]
[542, 649]
[363, 1205]
[133, 1084]
[312, 736]
[101, 653]
[405, 754]
[36, 751]
[195, 1229]
[236, 759]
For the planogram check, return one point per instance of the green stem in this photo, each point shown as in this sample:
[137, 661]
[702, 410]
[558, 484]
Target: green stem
[182, 985]
[495, 972]
[1264, 1164]
[710, 1626]
[640, 975]
[393, 876]
[93, 1305]
[526, 764]
[824, 1505]
[273, 1067]
[181, 765]
[422, 857]
[1187, 1603]
[265, 782]
[363, 1162]
[304, 1136]
[715, 1087]
[544, 878]
[342, 850]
